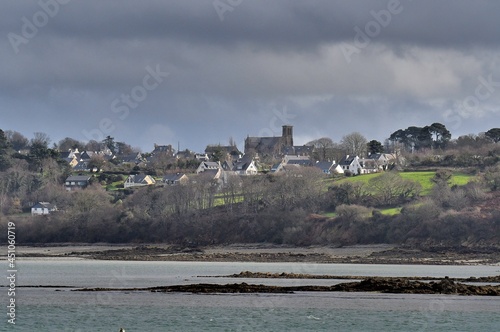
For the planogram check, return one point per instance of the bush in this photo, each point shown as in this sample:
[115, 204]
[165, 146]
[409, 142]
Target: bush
[353, 213]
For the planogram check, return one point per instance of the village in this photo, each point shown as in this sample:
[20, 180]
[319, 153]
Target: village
[354, 191]
[216, 164]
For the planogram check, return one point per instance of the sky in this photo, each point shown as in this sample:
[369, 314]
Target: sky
[192, 73]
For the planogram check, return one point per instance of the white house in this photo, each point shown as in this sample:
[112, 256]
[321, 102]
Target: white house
[245, 166]
[42, 208]
[329, 167]
[351, 164]
[208, 166]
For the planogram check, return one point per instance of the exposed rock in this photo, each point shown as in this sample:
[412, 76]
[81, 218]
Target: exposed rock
[374, 284]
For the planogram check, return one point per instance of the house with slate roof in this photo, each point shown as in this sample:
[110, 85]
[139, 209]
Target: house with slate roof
[329, 167]
[174, 179]
[76, 182]
[139, 180]
[208, 165]
[351, 164]
[383, 160]
[42, 208]
[244, 166]
[297, 160]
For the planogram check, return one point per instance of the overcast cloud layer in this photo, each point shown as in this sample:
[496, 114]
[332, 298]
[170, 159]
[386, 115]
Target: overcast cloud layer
[199, 72]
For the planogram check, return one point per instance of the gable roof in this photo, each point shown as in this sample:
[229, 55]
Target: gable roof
[174, 177]
[78, 178]
[131, 157]
[347, 160]
[324, 165]
[46, 205]
[87, 155]
[140, 178]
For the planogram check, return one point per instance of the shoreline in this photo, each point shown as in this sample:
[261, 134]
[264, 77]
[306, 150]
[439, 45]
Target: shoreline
[358, 254]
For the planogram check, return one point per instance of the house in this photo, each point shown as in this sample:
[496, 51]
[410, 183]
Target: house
[297, 160]
[186, 154]
[329, 167]
[276, 167]
[174, 179]
[245, 166]
[72, 157]
[76, 182]
[166, 149]
[82, 166]
[201, 156]
[42, 208]
[72, 161]
[368, 166]
[336, 168]
[139, 180]
[208, 165]
[70, 154]
[87, 155]
[383, 160]
[131, 158]
[226, 152]
[351, 164]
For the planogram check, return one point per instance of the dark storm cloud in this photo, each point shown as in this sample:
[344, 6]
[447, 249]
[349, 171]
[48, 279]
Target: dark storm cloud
[420, 67]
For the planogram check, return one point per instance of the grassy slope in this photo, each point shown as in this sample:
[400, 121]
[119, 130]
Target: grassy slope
[424, 178]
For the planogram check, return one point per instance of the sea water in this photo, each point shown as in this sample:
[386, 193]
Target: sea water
[59, 308]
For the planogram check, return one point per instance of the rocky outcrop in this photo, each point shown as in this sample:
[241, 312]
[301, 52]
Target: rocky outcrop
[375, 284]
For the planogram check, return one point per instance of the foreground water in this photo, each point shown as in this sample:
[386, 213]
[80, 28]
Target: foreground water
[60, 309]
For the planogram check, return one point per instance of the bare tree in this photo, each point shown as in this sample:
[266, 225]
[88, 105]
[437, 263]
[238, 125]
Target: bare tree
[40, 139]
[323, 148]
[93, 145]
[354, 144]
[391, 188]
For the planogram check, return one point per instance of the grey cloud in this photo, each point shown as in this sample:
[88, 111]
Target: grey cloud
[226, 77]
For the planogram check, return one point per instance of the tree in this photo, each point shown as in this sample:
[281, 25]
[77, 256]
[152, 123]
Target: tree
[39, 148]
[413, 138]
[93, 145]
[17, 140]
[69, 143]
[123, 148]
[4, 152]
[493, 134]
[109, 142]
[375, 146]
[442, 176]
[391, 188]
[440, 135]
[354, 144]
[40, 139]
[323, 148]
[96, 161]
[218, 154]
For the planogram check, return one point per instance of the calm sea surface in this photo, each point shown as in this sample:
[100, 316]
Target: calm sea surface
[60, 309]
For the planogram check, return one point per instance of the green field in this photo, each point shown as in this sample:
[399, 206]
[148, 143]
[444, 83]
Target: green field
[391, 211]
[424, 178]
